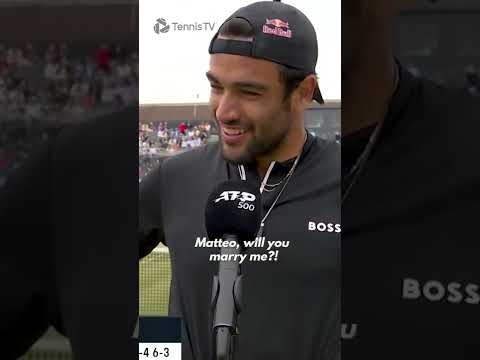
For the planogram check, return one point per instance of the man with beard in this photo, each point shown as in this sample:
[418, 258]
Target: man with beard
[262, 76]
[410, 274]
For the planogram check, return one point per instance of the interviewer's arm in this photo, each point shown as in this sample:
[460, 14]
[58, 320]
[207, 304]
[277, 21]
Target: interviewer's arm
[149, 212]
[25, 263]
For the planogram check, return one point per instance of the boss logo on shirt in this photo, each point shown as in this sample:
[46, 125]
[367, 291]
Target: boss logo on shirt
[349, 331]
[453, 292]
[324, 227]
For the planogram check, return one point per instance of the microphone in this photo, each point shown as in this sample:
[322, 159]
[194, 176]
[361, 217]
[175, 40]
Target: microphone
[233, 212]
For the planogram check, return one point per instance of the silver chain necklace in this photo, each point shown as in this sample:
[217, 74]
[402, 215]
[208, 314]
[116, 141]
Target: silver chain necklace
[286, 179]
[362, 160]
[273, 186]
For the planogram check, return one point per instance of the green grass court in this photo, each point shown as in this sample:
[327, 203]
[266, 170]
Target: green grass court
[154, 282]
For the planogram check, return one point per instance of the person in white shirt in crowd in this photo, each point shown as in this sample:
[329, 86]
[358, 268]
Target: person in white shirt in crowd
[50, 70]
[123, 70]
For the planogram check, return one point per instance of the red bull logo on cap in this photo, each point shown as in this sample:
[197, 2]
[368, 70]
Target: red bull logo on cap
[277, 27]
[277, 23]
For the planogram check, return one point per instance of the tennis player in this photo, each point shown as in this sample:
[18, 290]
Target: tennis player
[262, 77]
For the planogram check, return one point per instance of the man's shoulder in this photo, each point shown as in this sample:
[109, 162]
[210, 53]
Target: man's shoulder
[324, 160]
[444, 105]
[426, 113]
[174, 170]
[447, 101]
[432, 129]
[450, 121]
[196, 159]
[330, 147]
[112, 134]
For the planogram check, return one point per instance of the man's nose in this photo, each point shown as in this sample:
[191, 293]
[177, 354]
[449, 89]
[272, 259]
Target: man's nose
[228, 108]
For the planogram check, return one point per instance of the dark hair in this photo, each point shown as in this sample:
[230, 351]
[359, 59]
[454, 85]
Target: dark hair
[241, 29]
[291, 78]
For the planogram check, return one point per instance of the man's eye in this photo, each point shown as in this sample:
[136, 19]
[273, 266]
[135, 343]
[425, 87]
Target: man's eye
[215, 87]
[250, 93]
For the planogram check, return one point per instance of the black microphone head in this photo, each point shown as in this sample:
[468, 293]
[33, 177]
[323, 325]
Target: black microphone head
[234, 208]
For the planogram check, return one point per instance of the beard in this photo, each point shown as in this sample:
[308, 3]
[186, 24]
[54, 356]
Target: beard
[264, 138]
[255, 148]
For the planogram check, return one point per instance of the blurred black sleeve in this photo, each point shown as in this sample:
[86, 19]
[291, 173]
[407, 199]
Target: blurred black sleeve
[25, 265]
[150, 213]
[95, 252]
[69, 255]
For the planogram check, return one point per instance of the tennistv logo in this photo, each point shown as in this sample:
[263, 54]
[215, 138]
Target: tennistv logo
[162, 26]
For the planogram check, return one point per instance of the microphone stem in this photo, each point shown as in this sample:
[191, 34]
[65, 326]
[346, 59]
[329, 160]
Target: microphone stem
[226, 301]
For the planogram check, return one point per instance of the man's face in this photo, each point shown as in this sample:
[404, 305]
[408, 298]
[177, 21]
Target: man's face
[247, 102]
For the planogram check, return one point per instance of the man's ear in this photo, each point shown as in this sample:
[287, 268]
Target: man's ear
[306, 89]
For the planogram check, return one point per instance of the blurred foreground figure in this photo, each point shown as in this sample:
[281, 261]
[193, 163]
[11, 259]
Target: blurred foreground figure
[411, 198]
[68, 224]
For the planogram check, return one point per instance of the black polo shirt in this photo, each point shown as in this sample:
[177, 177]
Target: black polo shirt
[68, 226]
[291, 306]
[410, 244]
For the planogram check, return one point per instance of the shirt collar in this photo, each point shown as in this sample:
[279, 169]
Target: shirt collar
[287, 164]
[280, 168]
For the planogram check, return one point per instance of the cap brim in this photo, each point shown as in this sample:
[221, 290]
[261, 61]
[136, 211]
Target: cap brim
[317, 95]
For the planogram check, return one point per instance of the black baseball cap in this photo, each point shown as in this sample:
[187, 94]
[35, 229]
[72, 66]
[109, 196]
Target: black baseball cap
[282, 34]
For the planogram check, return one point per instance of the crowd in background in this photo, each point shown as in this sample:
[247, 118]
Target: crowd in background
[38, 82]
[40, 85]
[59, 80]
[159, 140]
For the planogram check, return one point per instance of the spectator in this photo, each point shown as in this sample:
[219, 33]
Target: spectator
[50, 71]
[124, 70]
[63, 51]
[89, 68]
[127, 91]
[182, 128]
[79, 69]
[103, 58]
[11, 57]
[30, 53]
[51, 53]
[3, 92]
[61, 74]
[3, 65]
[76, 95]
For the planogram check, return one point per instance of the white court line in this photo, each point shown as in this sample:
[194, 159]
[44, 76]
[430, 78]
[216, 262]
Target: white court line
[160, 250]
